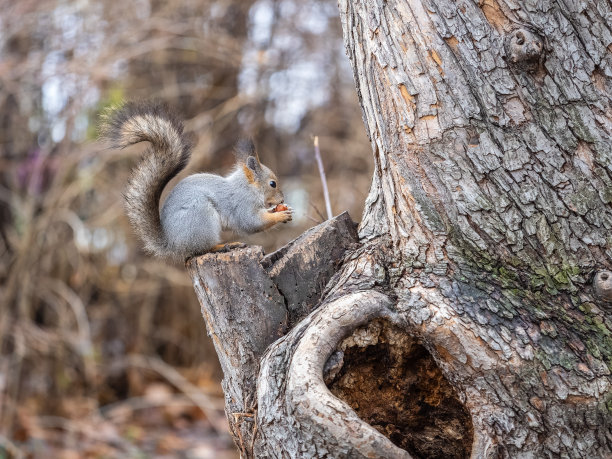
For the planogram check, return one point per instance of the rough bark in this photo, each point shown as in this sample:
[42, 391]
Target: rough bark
[225, 285]
[490, 123]
[486, 244]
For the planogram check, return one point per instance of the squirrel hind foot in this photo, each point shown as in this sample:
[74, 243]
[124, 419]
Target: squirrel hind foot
[223, 248]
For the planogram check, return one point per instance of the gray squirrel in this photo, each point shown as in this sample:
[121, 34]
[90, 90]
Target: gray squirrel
[200, 206]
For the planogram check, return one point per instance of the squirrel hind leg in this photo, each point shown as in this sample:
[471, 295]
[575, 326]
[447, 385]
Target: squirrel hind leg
[191, 223]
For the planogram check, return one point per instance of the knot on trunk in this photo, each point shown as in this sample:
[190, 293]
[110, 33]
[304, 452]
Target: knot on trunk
[602, 283]
[524, 49]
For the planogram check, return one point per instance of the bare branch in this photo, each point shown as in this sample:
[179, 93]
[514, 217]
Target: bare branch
[323, 178]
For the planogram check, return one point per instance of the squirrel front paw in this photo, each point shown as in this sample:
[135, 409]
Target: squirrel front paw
[285, 215]
[281, 216]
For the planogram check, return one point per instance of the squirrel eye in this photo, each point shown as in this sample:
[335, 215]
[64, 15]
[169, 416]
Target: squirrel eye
[272, 183]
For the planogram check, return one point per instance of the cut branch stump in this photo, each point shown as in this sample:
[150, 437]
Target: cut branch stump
[250, 300]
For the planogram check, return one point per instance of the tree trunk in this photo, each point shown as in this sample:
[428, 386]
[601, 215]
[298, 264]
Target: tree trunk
[474, 319]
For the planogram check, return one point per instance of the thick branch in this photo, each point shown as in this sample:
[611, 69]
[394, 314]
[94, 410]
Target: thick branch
[224, 283]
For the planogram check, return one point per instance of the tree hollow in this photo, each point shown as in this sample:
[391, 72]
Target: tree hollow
[393, 383]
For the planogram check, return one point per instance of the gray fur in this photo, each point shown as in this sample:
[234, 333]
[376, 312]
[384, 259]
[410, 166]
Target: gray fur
[200, 206]
[253, 164]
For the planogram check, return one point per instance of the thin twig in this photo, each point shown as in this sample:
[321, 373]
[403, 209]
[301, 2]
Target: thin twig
[254, 433]
[141, 403]
[323, 178]
[74, 426]
[11, 448]
[316, 209]
[314, 220]
[203, 401]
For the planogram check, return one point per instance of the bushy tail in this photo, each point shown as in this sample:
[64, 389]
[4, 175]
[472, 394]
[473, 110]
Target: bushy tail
[167, 156]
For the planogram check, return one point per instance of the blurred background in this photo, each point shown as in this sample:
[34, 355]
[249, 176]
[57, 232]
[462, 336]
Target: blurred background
[103, 351]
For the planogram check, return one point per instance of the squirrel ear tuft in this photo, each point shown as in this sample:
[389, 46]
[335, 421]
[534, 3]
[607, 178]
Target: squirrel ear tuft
[243, 149]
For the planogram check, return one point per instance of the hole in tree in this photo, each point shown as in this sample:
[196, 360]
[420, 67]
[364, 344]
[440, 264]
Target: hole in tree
[394, 384]
[604, 276]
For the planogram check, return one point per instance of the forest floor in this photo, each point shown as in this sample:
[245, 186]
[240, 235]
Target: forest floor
[161, 423]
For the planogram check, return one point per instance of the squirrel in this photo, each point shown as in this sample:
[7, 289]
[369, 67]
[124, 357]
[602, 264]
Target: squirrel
[200, 206]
